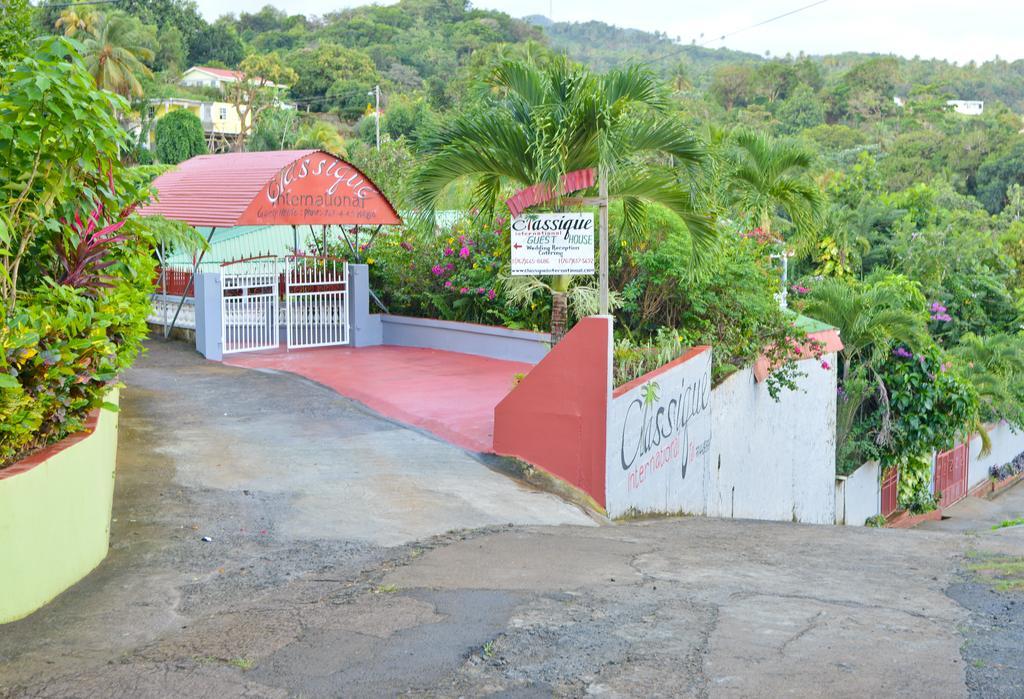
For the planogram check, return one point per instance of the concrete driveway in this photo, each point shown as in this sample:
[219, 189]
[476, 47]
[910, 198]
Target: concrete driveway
[322, 466]
[330, 572]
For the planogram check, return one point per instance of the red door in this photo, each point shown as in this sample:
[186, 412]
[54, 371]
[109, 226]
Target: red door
[951, 475]
[890, 491]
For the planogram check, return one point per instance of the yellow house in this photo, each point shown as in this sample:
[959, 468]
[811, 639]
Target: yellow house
[220, 120]
[221, 124]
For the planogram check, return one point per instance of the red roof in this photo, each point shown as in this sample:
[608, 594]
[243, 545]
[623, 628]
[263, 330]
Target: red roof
[270, 188]
[222, 72]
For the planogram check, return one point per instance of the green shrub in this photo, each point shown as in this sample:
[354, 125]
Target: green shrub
[62, 350]
[179, 136]
[78, 266]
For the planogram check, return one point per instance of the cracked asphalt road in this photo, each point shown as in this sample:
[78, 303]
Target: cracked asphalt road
[430, 593]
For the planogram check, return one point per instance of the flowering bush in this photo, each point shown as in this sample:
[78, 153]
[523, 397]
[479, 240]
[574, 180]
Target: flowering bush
[453, 275]
[1007, 470]
[925, 407]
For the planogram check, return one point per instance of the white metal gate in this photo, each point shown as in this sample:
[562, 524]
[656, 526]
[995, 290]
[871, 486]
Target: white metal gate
[249, 305]
[316, 301]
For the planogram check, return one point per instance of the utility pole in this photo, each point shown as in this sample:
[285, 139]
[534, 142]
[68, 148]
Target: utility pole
[602, 193]
[376, 111]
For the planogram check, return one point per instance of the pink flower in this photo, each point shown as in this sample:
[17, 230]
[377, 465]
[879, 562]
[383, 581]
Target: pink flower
[826, 366]
[464, 252]
[448, 284]
[449, 267]
[491, 294]
[481, 290]
[448, 251]
[801, 289]
[407, 245]
[463, 290]
[438, 270]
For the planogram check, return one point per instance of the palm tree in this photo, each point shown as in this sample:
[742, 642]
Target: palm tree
[74, 21]
[995, 366]
[770, 176]
[113, 55]
[680, 77]
[871, 317]
[543, 121]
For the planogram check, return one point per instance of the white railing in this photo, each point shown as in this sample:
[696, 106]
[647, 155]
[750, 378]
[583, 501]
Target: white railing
[164, 307]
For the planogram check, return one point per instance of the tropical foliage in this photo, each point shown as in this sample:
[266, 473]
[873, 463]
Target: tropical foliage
[554, 118]
[179, 136]
[77, 264]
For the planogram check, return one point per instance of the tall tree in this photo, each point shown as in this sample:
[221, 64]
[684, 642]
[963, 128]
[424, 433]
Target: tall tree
[768, 177]
[547, 120]
[263, 78]
[77, 20]
[15, 28]
[871, 318]
[115, 55]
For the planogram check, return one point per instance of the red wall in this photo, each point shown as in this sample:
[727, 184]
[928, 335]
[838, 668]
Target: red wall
[556, 418]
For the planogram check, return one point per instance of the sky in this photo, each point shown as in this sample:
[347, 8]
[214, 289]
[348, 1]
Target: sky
[952, 29]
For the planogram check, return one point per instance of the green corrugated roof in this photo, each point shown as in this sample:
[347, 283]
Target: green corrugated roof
[238, 243]
[810, 325]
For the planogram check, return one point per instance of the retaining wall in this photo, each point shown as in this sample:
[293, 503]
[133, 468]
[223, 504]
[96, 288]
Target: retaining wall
[670, 444]
[469, 338]
[55, 516]
[1006, 444]
[858, 495]
[775, 459]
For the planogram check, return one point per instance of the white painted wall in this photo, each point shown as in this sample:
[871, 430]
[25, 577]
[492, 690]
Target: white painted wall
[658, 452]
[859, 495]
[1006, 444]
[775, 460]
[771, 460]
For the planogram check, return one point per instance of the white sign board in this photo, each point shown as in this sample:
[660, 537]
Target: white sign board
[659, 441]
[553, 244]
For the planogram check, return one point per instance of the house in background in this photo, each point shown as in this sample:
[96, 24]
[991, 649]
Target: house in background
[967, 107]
[204, 76]
[221, 123]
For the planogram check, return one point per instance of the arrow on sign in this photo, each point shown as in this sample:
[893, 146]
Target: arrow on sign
[517, 246]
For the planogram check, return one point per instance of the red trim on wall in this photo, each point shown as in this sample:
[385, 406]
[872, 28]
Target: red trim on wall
[830, 343]
[51, 450]
[556, 418]
[687, 356]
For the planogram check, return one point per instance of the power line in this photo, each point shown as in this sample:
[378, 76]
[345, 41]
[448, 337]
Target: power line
[725, 36]
[58, 5]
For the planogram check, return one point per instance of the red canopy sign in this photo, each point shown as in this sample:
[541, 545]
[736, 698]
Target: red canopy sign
[276, 187]
[319, 189]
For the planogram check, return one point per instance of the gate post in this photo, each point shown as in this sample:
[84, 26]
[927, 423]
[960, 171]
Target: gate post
[364, 328]
[208, 315]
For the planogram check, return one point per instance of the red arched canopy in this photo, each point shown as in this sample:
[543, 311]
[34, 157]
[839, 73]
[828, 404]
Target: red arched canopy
[296, 187]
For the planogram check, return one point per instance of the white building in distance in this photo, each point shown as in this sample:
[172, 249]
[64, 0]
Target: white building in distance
[967, 107]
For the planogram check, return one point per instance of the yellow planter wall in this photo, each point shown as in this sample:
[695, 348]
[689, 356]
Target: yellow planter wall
[55, 518]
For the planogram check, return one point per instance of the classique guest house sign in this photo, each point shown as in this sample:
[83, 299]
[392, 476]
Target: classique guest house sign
[319, 189]
[552, 244]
